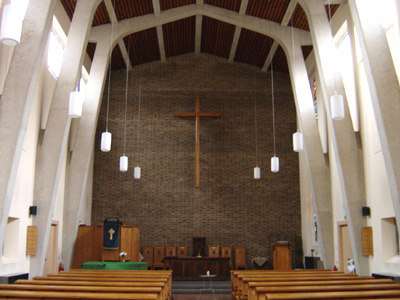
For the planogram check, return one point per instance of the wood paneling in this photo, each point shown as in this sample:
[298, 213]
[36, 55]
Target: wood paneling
[117, 60]
[299, 19]
[169, 4]
[143, 46]
[227, 4]
[282, 257]
[269, 10]
[253, 48]
[216, 37]
[101, 15]
[179, 36]
[306, 51]
[367, 241]
[280, 61]
[31, 240]
[130, 9]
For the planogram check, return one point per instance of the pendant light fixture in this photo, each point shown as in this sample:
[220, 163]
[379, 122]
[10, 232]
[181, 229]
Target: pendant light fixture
[76, 99]
[106, 136]
[274, 159]
[11, 25]
[137, 170]
[336, 101]
[257, 171]
[123, 160]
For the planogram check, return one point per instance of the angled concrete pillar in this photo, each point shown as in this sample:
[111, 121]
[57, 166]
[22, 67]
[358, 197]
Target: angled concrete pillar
[384, 89]
[79, 167]
[52, 151]
[318, 169]
[348, 155]
[17, 98]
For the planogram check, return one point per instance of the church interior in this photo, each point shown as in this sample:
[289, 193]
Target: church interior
[213, 131]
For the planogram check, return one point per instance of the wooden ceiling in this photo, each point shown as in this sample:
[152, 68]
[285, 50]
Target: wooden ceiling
[216, 36]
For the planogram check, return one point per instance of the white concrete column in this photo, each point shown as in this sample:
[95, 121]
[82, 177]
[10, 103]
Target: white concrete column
[383, 87]
[317, 167]
[348, 156]
[17, 98]
[79, 168]
[52, 151]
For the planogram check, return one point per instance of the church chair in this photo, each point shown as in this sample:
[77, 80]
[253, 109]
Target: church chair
[159, 254]
[169, 252]
[226, 251]
[182, 251]
[240, 257]
[213, 251]
[147, 252]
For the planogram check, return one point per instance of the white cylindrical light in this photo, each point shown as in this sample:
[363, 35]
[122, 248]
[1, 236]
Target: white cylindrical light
[337, 107]
[75, 104]
[136, 173]
[274, 164]
[123, 163]
[257, 173]
[297, 141]
[11, 26]
[105, 144]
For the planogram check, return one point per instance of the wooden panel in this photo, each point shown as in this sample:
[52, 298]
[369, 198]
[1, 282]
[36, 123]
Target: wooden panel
[213, 251]
[117, 61]
[367, 241]
[170, 251]
[306, 51]
[169, 4]
[31, 240]
[143, 46]
[84, 246]
[101, 15]
[179, 36]
[299, 18]
[130, 243]
[240, 256]
[216, 37]
[98, 243]
[147, 253]
[182, 251]
[269, 10]
[159, 254]
[280, 62]
[282, 256]
[135, 243]
[226, 251]
[253, 48]
[130, 9]
[227, 4]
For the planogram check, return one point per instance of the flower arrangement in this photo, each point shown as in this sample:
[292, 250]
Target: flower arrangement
[123, 254]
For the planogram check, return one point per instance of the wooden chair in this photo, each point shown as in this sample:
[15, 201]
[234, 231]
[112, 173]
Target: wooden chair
[213, 251]
[240, 257]
[182, 251]
[169, 251]
[147, 252]
[226, 251]
[159, 254]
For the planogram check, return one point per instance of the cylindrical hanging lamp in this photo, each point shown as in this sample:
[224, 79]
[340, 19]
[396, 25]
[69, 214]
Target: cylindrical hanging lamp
[297, 141]
[274, 164]
[105, 144]
[75, 104]
[136, 173]
[337, 107]
[257, 173]
[11, 26]
[123, 163]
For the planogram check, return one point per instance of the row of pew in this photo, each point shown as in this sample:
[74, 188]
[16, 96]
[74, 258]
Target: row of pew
[309, 284]
[93, 284]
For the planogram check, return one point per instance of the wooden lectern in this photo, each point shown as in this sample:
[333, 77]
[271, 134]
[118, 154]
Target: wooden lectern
[282, 256]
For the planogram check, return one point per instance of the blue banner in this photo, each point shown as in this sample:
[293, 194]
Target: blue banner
[111, 234]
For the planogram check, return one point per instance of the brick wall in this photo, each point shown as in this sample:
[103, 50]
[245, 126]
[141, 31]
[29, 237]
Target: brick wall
[230, 207]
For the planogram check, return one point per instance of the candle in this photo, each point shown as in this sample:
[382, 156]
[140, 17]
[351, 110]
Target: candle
[208, 273]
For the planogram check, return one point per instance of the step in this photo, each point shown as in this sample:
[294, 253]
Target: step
[197, 287]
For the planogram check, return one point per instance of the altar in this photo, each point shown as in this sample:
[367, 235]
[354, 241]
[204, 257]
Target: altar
[190, 268]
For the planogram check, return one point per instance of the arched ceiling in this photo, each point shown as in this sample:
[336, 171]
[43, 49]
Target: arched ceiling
[215, 37]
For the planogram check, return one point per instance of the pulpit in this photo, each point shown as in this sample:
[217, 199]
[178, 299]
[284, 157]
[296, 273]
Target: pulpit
[282, 256]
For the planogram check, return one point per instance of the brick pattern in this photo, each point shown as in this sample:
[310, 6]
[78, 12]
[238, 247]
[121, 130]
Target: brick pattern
[230, 207]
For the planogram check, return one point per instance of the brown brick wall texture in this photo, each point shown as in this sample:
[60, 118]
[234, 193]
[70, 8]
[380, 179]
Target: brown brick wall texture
[230, 207]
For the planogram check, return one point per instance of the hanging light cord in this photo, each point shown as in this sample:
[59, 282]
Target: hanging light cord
[330, 25]
[273, 104]
[126, 97]
[255, 119]
[109, 67]
[140, 100]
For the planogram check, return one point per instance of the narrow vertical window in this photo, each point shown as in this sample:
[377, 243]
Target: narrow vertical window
[55, 54]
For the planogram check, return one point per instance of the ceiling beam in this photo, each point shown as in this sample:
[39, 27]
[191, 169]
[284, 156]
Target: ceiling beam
[286, 18]
[121, 44]
[327, 2]
[238, 30]
[160, 34]
[199, 26]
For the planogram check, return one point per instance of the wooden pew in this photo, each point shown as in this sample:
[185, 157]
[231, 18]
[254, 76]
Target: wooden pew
[90, 289]
[367, 281]
[260, 291]
[34, 295]
[342, 295]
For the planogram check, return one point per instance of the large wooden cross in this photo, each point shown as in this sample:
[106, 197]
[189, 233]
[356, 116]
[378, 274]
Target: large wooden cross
[197, 114]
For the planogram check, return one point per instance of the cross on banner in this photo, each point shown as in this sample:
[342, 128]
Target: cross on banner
[197, 114]
[111, 232]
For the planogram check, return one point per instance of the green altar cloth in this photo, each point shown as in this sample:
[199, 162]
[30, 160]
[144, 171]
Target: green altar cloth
[114, 265]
